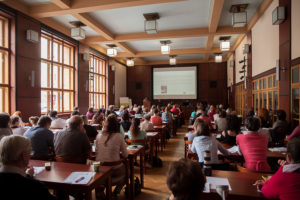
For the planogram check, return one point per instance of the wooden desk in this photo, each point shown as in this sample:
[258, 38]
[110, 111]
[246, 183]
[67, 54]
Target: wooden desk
[131, 155]
[241, 184]
[55, 177]
[161, 130]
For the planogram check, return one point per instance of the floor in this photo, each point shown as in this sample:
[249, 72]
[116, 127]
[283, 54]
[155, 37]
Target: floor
[155, 179]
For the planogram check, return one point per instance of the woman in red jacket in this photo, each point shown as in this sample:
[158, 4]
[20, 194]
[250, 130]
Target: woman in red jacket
[285, 183]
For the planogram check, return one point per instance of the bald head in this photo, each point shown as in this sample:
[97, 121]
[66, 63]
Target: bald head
[75, 122]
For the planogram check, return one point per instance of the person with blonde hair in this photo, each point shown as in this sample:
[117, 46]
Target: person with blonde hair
[33, 120]
[19, 114]
[14, 183]
[15, 126]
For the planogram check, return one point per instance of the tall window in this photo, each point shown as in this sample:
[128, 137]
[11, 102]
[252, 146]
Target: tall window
[265, 94]
[4, 65]
[97, 85]
[57, 74]
[240, 100]
[295, 87]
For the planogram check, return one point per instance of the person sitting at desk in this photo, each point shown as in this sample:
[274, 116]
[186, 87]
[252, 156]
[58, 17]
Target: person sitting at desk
[139, 113]
[5, 125]
[285, 183]
[295, 133]
[147, 125]
[90, 113]
[14, 183]
[135, 133]
[109, 145]
[90, 131]
[19, 114]
[175, 110]
[231, 131]
[125, 121]
[41, 139]
[15, 126]
[185, 180]
[72, 142]
[203, 142]
[98, 117]
[33, 120]
[221, 121]
[205, 118]
[253, 146]
[156, 120]
[57, 123]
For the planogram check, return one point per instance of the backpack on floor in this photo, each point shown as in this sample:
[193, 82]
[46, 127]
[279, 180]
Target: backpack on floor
[157, 162]
[137, 187]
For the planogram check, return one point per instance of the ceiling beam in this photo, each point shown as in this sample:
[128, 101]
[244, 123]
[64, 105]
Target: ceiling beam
[84, 6]
[64, 4]
[17, 6]
[178, 61]
[184, 33]
[173, 52]
[214, 18]
[259, 12]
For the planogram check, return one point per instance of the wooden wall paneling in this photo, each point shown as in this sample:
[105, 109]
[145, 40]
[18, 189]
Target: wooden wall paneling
[285, 59]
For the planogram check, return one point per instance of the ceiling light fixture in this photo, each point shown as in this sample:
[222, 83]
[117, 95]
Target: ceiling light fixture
[111, 51]
[225, 43]
[77, 32]
[172, 60]
[165, 47]
[239, 15]
[218, 58]
[151, 23]
[130, 62]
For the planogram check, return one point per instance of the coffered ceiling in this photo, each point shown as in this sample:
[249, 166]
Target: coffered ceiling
[193, 26]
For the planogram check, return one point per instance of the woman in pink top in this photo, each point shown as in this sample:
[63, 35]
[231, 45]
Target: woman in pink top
[156, 120]
[90, 113]
[295, 133]
[253, 146]
[211, 113]
[285, 183]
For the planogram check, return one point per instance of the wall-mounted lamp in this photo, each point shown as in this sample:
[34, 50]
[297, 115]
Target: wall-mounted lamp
[278, 15]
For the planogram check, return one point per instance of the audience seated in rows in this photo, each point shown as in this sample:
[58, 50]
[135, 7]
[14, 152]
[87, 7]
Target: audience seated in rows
[221, 121]
[90, 131]
[109, 145]
[41, 139]
[135, 133]
[98, 117]
[193, 116]
[147, 125]
[175, 110]
[232, 130]
[33, 120]
[280, 129]
[205, 118]
[139, 113]
[90, 113]
[16, 127]
[204, 142]
[125, 121]
[185, 180]
[14, 182]
[253, 146]
[156, 120]
[263, 115]
[211, 113]
[168, 117]
[285, 184]
[73, 141]
[5, 125]
[19, 114]
[57, 123]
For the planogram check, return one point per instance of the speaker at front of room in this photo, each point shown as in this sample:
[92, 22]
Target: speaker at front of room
[213, 84]
[138, 85]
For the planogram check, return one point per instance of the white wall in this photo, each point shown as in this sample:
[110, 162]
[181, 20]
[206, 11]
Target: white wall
[265, 42]
[239, 56]
[229, 72]
[120, 81]
[295, 29]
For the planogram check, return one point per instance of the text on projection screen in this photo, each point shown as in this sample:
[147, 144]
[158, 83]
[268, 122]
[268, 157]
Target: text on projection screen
[175, 83]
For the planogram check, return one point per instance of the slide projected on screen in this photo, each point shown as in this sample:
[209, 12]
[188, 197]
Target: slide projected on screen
[175, 83]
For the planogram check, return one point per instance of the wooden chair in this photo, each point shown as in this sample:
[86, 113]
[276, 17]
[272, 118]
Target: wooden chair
[120, 180]
[80, 160]
[187, 153]
[245, 170]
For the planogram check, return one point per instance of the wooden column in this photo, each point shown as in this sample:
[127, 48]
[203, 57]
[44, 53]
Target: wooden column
[285, 58]
[249, 103]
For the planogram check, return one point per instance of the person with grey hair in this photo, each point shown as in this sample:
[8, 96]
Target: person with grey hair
[41, 139]
[147, 125]
[14, 183]
[73, 141]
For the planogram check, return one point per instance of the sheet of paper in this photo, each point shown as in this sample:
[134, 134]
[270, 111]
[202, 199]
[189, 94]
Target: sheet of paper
[37, 170]
[206, 188]
[134, 147]
[80, 177]
[214, 181]
[151, 133]
[278, 149]
[234, 149]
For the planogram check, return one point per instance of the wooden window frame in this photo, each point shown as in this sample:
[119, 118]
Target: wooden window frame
[97, 79]
[5, 49]
[61, 65]
[260, 91]
[240, 100]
